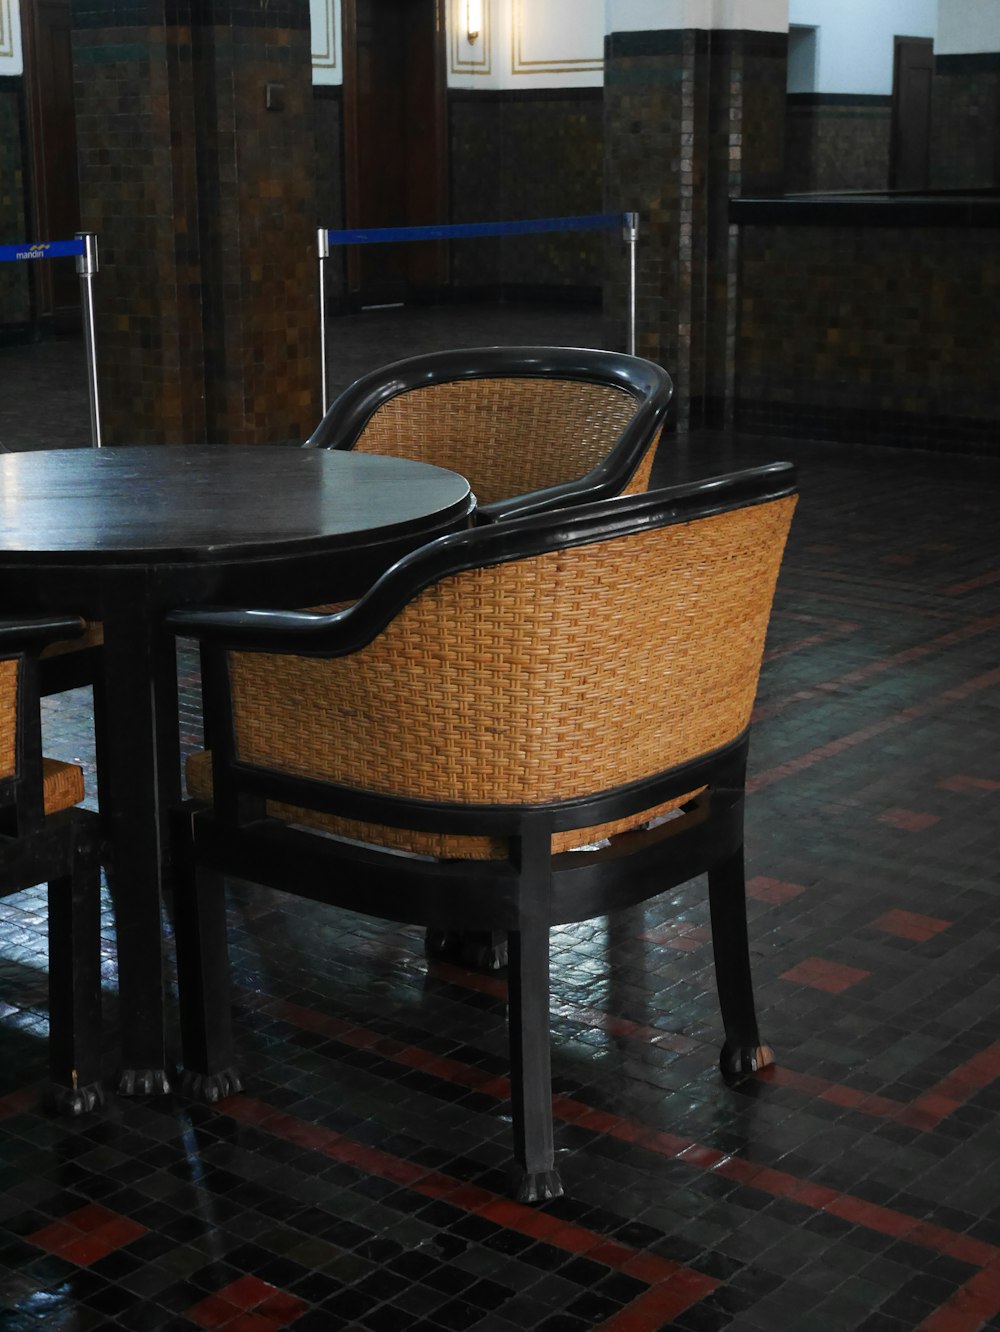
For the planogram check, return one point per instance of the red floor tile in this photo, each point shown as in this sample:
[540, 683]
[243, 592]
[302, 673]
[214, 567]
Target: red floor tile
[763, 889]
[909, 820]
[910, 925]
[820, 974]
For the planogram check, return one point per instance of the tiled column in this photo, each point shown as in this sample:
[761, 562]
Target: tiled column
[965, 121]
[197, 173]
[693, 114]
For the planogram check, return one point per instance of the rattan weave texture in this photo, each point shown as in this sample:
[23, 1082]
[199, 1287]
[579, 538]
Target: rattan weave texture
[639, 480]
[543, 679]
[8, 713]
[508, 436]
[62, 782]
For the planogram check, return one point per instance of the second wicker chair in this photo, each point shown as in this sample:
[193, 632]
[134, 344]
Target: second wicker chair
[532, 428]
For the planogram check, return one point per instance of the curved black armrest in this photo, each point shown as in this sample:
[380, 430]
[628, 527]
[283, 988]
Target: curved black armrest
[29, 635]
[302, 633]
[350, 412]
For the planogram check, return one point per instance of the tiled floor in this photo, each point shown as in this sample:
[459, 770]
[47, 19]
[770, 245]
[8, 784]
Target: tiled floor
[358, 1183]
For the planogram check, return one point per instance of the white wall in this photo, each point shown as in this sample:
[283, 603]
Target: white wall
[854, 46]
[967, 26]
[657, 15]
[560, 43]
[528, 44]
[10, 38]
[327, 57]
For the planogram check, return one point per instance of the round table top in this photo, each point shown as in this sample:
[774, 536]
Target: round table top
[136, 504]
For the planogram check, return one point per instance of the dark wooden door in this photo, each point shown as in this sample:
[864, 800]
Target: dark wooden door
[54, 191]
[394, 119]
[913, 76]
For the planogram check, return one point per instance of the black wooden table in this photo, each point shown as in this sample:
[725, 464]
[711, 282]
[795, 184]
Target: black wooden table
[122, 535]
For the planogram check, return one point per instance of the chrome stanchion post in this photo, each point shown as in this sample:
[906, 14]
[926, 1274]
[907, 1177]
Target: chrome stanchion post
[86, 267]
[323, 253]
[631, 237]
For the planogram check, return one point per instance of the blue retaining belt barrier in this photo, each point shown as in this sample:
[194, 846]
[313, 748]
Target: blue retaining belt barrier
[460, 230]
[84, 249]
[629, 222]
[43, 250]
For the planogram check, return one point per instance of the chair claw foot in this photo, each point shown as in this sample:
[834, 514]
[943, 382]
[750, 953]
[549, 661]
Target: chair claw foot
[738, 1060]
[211, 1087]
[537, 1186]
[74, 1100]
[144, 1082]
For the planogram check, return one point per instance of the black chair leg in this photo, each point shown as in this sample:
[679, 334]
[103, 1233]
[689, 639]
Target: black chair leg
[75, 986]
[530, 1066]
[102, 721]
[203, 981]
[743, 1051]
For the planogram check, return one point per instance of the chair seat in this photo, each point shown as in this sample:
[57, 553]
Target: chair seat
[198, 772]
[48, 838]
[62, 784]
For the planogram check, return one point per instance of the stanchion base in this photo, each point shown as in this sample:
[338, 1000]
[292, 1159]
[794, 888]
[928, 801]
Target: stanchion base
[537, 1186]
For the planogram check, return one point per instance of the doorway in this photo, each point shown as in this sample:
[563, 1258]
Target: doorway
[395, 150]
[912, 80]
[54, 186]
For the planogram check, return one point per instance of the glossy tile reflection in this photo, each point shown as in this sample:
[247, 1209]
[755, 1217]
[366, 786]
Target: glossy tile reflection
[358, 1183]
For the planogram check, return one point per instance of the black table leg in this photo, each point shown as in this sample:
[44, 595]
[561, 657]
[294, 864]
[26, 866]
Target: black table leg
[137, 684]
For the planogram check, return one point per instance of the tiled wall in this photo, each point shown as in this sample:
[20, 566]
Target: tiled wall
[204, 202]
[517, 155]
[690, 118]
[139, 194]
[965, 134]
[15, 309]
[874, 334]
[746, 74]
[837, 142]
[647, 169]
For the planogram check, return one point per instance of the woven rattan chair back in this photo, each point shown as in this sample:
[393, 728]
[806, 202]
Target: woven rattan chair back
[508, 436]
[558, 425]
[547, 677]
[45, 837]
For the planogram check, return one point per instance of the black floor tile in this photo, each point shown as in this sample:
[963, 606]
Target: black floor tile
[850, 1188]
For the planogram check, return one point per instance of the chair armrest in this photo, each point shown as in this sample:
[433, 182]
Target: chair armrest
[301, 633]
[566, 493]
[29, 635]
[306, 634]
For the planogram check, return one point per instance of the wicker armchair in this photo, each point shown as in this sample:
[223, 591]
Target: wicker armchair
[44, 837]
[498, 700]
[532, 428]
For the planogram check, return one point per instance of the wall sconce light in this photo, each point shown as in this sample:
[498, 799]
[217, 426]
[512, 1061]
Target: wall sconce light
[473, 19]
